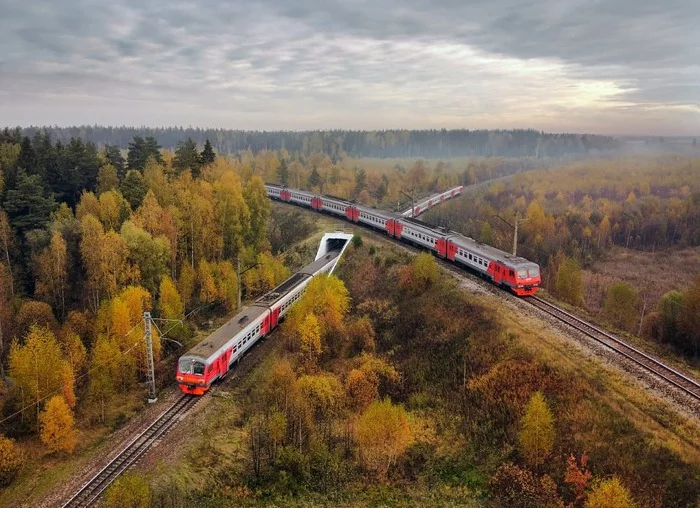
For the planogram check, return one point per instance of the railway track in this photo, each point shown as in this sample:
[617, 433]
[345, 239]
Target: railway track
[659, 369]
[91, 491]
[680, 381]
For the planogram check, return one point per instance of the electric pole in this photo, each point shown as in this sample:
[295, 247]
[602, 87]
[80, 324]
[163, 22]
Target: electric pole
[149, 353]
[411, 198]
[514, 227]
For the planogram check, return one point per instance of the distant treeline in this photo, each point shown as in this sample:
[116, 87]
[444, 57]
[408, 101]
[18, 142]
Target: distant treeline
[337, 143]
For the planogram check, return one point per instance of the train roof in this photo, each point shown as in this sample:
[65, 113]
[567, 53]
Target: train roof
[248, 315]
[489, 251]
[223, 334]
[433, 229]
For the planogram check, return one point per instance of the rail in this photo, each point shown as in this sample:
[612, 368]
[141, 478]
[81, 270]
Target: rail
[647, 362]
[91, 490]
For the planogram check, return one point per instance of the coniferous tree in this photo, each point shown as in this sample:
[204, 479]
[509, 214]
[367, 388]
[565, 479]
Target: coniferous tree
[114, 155]
[208, 156]
[314, 177]
[187, 157]
[27, 157]
[140, 150]
[133, 188]
[27, 206]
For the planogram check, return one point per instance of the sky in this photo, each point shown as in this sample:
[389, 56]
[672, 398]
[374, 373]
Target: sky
[608, 67]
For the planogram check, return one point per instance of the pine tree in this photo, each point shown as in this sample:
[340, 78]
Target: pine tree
[133, 188]
[27, 206]
[187, 157]
[114, 156]
[58, 431]
[314, 177]
[207, 156]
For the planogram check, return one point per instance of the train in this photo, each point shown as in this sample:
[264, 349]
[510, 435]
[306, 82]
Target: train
[513, 273]
[211, 359]
[435, 199]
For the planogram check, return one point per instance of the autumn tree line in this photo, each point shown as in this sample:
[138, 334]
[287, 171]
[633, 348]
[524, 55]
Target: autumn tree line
[90, 240]
[576, 213]
[392, 386]
[338, 144]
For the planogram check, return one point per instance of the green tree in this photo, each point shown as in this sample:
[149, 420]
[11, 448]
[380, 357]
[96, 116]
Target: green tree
[10, 461]
[314, 178]
[130, 490]
[537, 434]
[140, 150]
[187, 157]
[670, 307]
[150, 255]
[114, 157]
[609, 494]
[27, 206]
[133, 188]
[568, 281]
[207, 156]
[620, 305]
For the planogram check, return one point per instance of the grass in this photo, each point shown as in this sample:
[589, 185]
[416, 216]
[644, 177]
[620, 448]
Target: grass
[648, 414]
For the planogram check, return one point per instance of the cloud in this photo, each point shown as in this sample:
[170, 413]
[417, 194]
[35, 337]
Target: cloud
[616, 66]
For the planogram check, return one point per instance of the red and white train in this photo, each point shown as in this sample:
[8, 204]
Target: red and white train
[514, 273]
[431, 201]
[209, 360]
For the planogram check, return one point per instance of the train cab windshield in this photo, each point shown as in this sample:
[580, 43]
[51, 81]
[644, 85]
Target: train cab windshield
[528, 272]
[189, 366]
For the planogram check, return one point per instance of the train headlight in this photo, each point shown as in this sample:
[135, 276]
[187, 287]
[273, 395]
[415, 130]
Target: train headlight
[179, 378]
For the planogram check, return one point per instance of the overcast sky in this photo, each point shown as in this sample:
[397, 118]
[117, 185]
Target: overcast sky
[612, 67]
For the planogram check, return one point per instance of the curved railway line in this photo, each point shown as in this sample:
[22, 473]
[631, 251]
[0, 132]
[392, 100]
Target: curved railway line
[659, 369]
[90, 492]
[648, 363]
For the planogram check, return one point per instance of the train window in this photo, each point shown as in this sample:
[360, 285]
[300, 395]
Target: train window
[522, 273]
[534, 271]
[511, 273]
[186, 366]
[470, 257]
[198, 368]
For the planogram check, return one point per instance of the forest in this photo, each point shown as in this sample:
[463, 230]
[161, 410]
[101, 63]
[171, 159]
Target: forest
[344, 143]
[92, 236]
[576, 213]
[389, 385]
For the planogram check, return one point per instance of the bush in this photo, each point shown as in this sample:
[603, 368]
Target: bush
[357, 241]
[129, 491]
[10, 461]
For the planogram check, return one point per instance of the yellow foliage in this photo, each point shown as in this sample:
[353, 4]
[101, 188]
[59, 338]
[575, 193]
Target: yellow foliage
[131, 490]
[609, 494]
[10, 461]
[309, 334]
[37, 367]
[362, 388]
[383, 433]
[170, 304]
[323, 392]
[327, 298]
[57, 426]
[537, 434]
